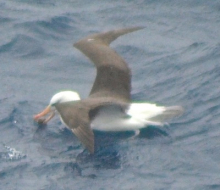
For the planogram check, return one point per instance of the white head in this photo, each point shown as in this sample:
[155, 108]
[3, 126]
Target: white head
[64, 96]
[60, 97]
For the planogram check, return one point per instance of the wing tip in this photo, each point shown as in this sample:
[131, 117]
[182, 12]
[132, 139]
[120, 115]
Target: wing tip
[86, 137]
[107, 37]
[91, 150]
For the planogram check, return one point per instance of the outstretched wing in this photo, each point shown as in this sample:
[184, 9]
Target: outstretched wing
[113, 79]
[76, 117]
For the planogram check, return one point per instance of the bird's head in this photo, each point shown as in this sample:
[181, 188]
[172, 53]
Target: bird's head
[60, 97]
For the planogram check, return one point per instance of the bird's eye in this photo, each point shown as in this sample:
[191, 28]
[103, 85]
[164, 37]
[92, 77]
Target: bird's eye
[53, 104]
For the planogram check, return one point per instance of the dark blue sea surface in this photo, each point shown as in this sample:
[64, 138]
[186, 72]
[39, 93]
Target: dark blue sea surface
[175, 60]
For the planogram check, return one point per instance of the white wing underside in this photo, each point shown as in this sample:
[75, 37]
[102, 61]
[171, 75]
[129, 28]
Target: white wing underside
[139, 115]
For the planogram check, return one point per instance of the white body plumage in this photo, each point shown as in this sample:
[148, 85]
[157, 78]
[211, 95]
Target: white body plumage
[111, 118]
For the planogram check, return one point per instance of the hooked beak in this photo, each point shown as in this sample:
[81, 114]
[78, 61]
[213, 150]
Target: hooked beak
[39, 117]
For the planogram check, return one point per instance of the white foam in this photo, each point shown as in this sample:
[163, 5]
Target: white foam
[13, 154]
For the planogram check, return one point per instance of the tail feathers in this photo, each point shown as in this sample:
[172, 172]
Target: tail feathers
[167, 114]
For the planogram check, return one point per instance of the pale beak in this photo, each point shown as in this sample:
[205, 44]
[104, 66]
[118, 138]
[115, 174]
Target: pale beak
[39, 117]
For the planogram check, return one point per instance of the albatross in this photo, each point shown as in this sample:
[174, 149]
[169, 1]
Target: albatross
[109, 106]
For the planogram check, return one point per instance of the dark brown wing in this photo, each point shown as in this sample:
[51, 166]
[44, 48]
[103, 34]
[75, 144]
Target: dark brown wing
[75, 116]
[86, 136]
[113, 79]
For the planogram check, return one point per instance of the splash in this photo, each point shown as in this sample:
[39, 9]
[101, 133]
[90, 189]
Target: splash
[13, 154]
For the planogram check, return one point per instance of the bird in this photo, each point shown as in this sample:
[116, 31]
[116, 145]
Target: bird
[108, 107]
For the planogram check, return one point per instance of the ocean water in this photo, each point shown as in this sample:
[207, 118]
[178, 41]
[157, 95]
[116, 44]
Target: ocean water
[175, 60]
